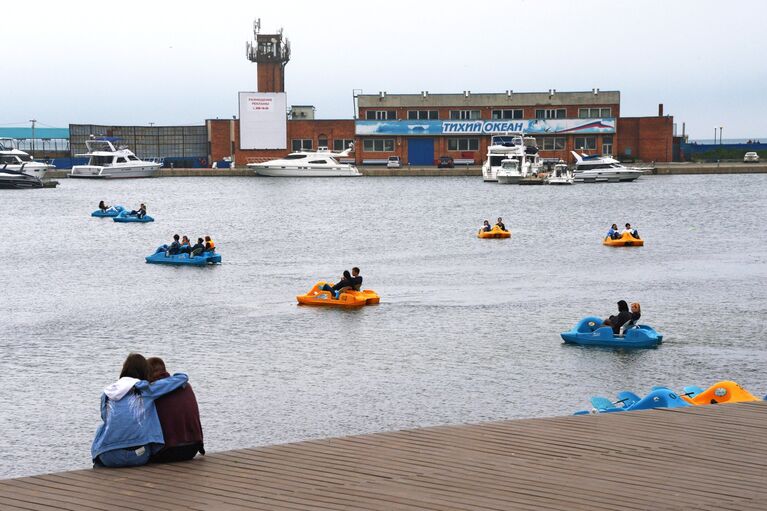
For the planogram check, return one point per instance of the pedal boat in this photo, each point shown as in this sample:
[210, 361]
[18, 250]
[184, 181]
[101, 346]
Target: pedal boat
[160, 257]
[590, 332]
[125, 217]
[627, 240]
[659, 397]
[720, 392]
[348, 299]
[109, 213]
[494, 233]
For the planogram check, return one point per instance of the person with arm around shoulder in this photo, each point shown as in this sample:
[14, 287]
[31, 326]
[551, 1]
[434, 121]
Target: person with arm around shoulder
[130, 431]
[179, 418]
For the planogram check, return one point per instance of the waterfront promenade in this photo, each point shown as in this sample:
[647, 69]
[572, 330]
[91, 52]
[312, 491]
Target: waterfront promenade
[660, 168]
[701, 458]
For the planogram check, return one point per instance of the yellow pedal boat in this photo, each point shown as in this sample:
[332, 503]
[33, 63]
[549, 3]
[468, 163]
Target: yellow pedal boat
[721, 392]
[346, 299]
[495, 232]
[627, 240]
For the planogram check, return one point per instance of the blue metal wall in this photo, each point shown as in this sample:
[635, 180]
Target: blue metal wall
[420, 151]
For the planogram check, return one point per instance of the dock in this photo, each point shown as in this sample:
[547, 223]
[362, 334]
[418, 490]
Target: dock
[699, 458]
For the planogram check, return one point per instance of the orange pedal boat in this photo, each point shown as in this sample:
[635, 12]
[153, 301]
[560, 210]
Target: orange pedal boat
[494, 233]
[346, 299]
[721, 392]
[627, 240]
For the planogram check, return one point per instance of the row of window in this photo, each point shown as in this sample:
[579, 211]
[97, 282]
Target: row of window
[512, 113]
[306, 144]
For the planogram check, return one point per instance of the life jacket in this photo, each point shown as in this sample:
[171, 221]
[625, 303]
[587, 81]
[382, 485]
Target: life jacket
[210, 245]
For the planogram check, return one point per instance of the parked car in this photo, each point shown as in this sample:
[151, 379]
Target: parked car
[394, 162]
[751, 157]
[445, 162]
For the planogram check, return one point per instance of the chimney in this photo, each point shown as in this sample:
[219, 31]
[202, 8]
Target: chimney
[660, 109]
[509, 93]
[595, 91]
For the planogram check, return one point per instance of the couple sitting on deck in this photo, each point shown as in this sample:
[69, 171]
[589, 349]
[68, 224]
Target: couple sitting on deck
[487, 228]
[148, 416]
[349, 281]
[185, 246]
[624, 317]
[614, 234]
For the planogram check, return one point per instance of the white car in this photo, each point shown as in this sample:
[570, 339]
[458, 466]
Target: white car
[751, 157]
[393, 162]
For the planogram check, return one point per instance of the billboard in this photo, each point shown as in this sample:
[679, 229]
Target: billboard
[480, 127]
[263, 120]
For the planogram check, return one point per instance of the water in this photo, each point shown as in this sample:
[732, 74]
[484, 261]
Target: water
[467, 330]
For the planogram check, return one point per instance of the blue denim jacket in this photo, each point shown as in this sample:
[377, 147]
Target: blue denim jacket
[130, 420]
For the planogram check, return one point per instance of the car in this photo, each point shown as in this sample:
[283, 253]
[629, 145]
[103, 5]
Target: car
[393, 162]
[751, 157]
[445, 162]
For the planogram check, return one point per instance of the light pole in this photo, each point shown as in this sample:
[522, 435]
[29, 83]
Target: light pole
[714, 135]
[720, 135]
[33, 121]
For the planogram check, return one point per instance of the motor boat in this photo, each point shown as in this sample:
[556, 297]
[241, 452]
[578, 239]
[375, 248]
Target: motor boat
[17, 180]
[561, 175]
[106, 161]
[320, 163]
[13, 158]
[509, 173]
[511, 146]
[602, 169]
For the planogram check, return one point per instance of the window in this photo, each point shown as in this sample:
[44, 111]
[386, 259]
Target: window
[551, 113]
[552, 143]
[322, 141]
[378, 144]
[302, 144]
[463, 115]
[594, 113]
[315, 162]
[607, 145]
[463, 144]
[381, 115]
[586, 143]
[342, 144]
[507, 114]
[417, 115]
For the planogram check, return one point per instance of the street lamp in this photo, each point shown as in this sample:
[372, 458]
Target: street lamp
[714, 135]
[33, 121]
[720, 135]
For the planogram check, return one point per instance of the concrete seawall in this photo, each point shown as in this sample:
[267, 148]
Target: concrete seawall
[660, 169]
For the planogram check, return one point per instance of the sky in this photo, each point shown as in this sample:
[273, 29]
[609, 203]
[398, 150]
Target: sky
[172, 62]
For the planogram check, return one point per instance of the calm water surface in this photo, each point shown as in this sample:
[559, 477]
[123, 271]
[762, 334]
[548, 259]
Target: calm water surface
[467, 330]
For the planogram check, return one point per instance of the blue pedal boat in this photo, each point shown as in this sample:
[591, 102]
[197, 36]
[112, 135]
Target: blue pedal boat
[659, 397]
[125, 217]
[160, 257]
[109, 213]
[590, 332]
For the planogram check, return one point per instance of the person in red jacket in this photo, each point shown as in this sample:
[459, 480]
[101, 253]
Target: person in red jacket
[179, 418]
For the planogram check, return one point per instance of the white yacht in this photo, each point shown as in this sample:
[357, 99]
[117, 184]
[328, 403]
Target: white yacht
[561, 175]
[509, 173]
[14, 159]
[602, 169]
[104, 161]
[320, 163]
[511, 146]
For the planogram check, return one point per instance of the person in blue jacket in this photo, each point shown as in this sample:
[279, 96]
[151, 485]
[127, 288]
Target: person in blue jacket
[131, 431]
[613, 232]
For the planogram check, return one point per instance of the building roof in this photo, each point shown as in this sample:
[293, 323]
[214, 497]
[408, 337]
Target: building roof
[499, 99]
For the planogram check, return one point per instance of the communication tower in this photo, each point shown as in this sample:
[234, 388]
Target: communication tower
[271, 52]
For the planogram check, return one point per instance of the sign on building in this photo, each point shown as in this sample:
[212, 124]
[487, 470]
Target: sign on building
[263, 120]
[480, 127]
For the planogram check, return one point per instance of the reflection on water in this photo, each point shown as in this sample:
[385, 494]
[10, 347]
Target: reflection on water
[467, 329]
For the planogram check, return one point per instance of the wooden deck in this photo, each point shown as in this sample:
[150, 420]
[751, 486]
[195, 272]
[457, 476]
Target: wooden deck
[702, 458]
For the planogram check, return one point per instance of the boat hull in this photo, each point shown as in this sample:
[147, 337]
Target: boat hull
[508, 180]
[19, 181]
[266, 171]
[203, 259]
[96, 172]
[627, 240]
[348, 299]
[593, 176]
[494, 233]
[590, 332]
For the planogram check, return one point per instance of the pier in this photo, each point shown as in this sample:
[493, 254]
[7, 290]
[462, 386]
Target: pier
[701, 458]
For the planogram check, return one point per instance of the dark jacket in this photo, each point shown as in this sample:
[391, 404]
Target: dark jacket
[180, 418]
[618, 321]
[356, 282]
[174, 248]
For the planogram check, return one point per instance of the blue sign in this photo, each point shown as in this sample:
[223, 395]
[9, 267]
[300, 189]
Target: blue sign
[480, 127]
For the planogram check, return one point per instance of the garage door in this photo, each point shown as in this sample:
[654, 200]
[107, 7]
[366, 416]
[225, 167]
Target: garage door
[420, 151]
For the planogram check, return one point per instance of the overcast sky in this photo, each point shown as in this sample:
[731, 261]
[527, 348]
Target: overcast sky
[180, 62]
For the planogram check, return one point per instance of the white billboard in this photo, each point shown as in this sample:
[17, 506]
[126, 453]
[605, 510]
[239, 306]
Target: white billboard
[263, 120]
